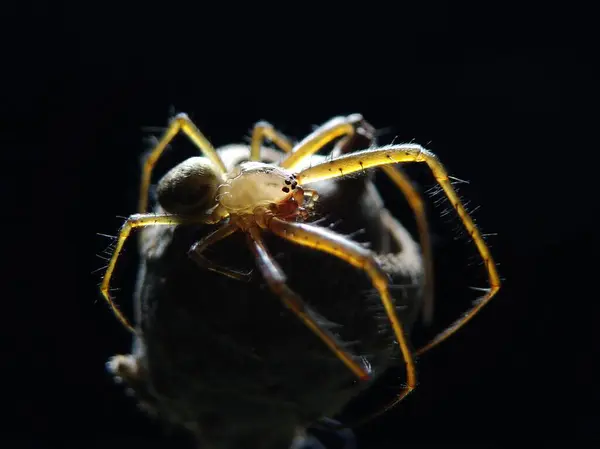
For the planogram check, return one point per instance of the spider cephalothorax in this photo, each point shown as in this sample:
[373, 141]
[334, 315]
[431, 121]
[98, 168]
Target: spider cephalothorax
[254, 191]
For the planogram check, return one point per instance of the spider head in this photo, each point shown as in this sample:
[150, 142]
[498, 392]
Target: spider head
[189, 187]
[256, 184]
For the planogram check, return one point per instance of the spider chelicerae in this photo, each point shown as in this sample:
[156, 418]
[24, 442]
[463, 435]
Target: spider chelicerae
[257, 197]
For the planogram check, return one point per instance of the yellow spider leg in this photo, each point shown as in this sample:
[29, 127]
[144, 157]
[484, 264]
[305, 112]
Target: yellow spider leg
[323, 239]
[277, 282]
[181, 122]
[264, 130]
[416, 204]
[134, 221]
[334, 128]
[392, 154]
[200, 246]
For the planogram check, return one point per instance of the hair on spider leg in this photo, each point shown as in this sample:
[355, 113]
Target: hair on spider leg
[446, 212]
[475, 209]
[439, 201]
[351, 235]
[456, 180]
[108, 250]
[433, 191]
[436, 190]
[104, 258]
[97, 270]
[108, 236]
[335, 224]
[320, 220]
[486, 238]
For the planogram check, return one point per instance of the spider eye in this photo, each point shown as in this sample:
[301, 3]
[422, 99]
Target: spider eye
[189, 187]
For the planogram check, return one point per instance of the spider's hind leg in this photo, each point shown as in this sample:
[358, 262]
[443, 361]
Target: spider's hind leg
[181, 122]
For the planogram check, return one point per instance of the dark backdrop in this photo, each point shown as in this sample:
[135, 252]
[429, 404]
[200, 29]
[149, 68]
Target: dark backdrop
[503, 96]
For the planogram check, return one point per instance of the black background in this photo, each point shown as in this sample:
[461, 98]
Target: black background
[503, 95]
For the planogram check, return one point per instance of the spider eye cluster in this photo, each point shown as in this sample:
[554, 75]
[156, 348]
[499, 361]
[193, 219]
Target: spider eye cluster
[290, 184]
[189, 187]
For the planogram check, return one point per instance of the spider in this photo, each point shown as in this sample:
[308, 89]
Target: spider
[257, 198]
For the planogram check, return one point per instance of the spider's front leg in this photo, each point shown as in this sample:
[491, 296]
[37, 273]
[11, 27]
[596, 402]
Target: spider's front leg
[134, 221]
[277, 283]
[392, 154]
[325, 240]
